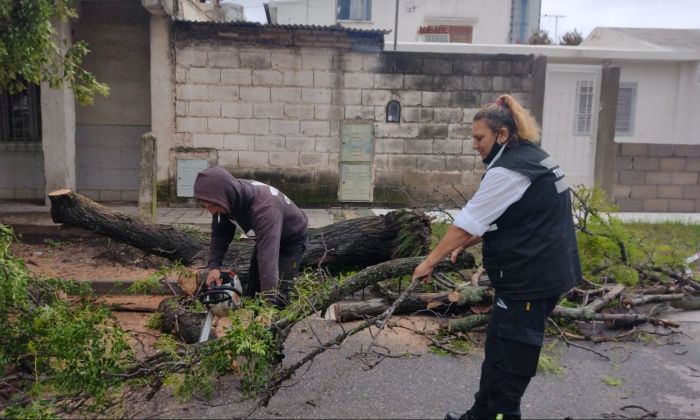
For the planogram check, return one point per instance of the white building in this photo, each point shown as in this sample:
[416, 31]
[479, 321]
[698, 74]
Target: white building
[463, 21]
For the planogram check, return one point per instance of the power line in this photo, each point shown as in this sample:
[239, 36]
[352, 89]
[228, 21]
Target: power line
[556, 24]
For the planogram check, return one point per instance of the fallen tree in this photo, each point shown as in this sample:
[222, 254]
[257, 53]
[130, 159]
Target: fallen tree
[355, 243]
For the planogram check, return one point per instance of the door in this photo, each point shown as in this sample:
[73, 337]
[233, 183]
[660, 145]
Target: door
[570, 120]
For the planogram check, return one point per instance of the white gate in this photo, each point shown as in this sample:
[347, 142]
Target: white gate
[570, 119]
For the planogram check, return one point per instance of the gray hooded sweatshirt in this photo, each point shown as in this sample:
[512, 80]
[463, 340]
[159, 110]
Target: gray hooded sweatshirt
[253, 205]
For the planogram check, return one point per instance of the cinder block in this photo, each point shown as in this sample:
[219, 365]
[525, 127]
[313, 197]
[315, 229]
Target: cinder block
[255, 94]
[359, 80]
[301, 78]
[634, 149]
[269, 144]
[621, 191]
[301, 112]
[684, 178]
[272, 110]
[460, 131]
[283, 61]
[284, 127]
[439, 99]
[419, 82]
[469, 114]
[328, 144]
[418, 146]
[215, 141]
[317, 61]
[687, 150]
[192, 125]
[459, 163]
[253, 159]
[466, 99]
[402, 161]
[192, 92]
[380, 162]
[285, 95]
[376, 97]
[410, 97]
[451, 147]
[180, 74]
[437, 66]
[316, 95]
[681, 206]
[301, 144]
[658, 178]
[255, 60]
[389, 177]
[267, 77]
[644, 191]
[432, 131]
[635, 178]
[254, 126]
[204, 109]
[430, 179]
[507, 83]
[692, 164]
[236, 110]
[431, 163]
[623, 163]
[346, 97]
[447, 83]
[328, 112]
[223, 125]
[661, 150]
[388, 145]
[227, 158]
[313, 159]
[223, 59]
[655, 205]
[691, 191]
[404, 131]
[359, 112]
[468, 67]
[236, 76]
[190, 56]
[672, 164]
[670, 191]
[202, 75]
[630, 204]
[284, 159]
[239, 142]
[448, 115]
[478, 83]
[348, 62]
[497, 67]
[315, 128]
[327, 79]
[370, 63]
[388, 81]
[223, 93]
[646, 163]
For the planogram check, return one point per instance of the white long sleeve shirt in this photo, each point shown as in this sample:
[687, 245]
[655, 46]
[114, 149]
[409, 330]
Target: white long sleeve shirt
[499, 188]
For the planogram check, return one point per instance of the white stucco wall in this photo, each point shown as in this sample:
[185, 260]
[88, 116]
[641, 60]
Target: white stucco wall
[489, 18]
[667, 101]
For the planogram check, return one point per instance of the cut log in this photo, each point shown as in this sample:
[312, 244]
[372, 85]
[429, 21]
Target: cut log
[467, 323]
[353, 243]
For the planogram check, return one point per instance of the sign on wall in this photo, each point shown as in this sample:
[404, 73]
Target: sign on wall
[187, 170]
[356, 162]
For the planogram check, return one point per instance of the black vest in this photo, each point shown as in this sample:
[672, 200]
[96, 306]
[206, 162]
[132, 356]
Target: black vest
[531, 251]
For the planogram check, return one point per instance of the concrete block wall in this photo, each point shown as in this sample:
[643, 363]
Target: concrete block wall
[21, 171]
[657, 177]
[273, 112]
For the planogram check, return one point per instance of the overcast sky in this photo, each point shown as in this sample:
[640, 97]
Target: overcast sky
[585, 15]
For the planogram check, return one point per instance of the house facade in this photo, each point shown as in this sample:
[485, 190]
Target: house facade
[463, 21]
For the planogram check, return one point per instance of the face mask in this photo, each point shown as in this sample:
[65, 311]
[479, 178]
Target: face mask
[494, 151]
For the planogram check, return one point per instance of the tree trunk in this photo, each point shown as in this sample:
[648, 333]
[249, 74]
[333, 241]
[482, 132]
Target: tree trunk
[353, 243]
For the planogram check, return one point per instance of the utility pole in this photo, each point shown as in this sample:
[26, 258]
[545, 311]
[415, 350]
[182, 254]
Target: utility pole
[396, 23]
[556, 25]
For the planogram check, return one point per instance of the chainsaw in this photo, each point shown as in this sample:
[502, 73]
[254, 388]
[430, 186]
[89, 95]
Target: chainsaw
[219, 300]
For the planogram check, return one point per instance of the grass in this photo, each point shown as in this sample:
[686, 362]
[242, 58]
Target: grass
[612, 381]
[548, 363]
[683, 238]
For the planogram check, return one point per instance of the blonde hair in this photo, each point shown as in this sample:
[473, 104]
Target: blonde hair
[507, 112]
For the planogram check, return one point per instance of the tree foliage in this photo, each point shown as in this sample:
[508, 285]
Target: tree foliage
[539, 37]
[30, 52]
[572, 38]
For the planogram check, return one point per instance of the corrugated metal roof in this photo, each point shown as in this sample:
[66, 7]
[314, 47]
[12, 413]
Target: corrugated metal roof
[334, 28]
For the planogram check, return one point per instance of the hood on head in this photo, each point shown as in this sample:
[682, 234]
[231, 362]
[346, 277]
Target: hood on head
[216, 185]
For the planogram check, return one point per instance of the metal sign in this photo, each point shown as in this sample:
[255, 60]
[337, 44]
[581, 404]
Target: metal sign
[187, 170]
[356, 162]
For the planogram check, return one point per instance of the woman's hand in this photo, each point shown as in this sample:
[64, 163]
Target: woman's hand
[423, 270]
[213, 278]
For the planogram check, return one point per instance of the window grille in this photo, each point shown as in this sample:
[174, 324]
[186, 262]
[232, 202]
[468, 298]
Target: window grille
[20, 116]
[354, 10]
[626, 107]
[584, 108]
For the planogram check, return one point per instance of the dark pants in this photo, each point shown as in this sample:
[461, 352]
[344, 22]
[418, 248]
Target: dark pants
[513, 342]
[291, 254]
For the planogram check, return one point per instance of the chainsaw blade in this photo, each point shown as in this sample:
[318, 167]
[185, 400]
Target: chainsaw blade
[204, 335]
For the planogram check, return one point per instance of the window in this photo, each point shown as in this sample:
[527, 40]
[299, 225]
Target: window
[393, 111]
[584, 108]
[354, 10]
[626, 106]
[20, 120]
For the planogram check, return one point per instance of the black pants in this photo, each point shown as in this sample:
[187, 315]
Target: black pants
[291, 254]
[513, 342]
